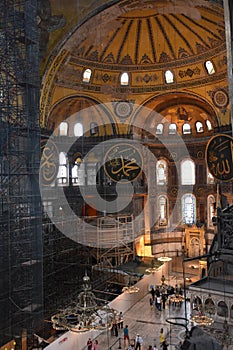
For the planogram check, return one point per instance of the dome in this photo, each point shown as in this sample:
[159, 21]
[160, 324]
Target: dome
[132, 34]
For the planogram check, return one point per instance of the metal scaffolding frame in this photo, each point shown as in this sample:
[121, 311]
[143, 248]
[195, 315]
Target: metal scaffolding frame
[21, 295]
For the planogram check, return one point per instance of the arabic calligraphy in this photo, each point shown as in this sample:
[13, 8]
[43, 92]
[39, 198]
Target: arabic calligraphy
[219, 157]
[123, 162]
[49, 163]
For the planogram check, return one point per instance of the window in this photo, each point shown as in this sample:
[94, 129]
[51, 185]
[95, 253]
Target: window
[161, 172]
[48, 208]
[187, 172]
[124, 80]
[211, 209]
[91, 173]
[210, 178]
[87, 75]
[162, 211]
[209, 67]
[94, 130]
[189, 209]
[169, 77]
[62, 176]
[63, 129]
[222, 309]
[209, 125]
[159, 129]
[199, 127]
[78, 129]
[77, 172]
[172, 128]
[186, 128]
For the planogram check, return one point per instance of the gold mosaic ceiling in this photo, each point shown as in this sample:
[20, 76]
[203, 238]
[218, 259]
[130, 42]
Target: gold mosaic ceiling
[132, 33]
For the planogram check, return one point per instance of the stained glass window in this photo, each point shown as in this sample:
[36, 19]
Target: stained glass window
[162, 210]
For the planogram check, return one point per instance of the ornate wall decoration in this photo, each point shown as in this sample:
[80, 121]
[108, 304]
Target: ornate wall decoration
[219, 157]
[220, 98]
[123, 162]
[189, 72]
[123, 109]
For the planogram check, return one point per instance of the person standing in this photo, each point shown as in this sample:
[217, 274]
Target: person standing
[155, 347]
[96, 345]
[161, 337]
[126, 335]
[138, 342]
[158, 302]
[120, 317]
[89, 344]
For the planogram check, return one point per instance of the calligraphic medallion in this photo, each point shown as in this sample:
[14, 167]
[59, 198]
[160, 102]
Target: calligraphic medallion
[49, 162]
[123, 161]
[219, 156]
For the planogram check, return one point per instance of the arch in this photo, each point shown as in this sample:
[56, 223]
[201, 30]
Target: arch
[222, 309]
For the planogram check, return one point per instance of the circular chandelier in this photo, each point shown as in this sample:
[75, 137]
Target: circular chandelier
[130, 289]
[202, 320]
[85, 314]
[164, 258]
[152, 269]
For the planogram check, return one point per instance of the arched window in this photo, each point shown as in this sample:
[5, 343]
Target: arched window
[169, 77]
[78, 129]
[209, 306]
[211, 209]
[163, 211]
[186, 128]
[159, 129]
[63, 129]
[209, 125]
[199, 127]
[209, 67]
[62, 176]
[222, 309]
[78, 177]
[188, 172]
[210, 178]
[124, 80]
[94, 129]
[161, 172]
[189, 209]
[172, 128]
[87, 75]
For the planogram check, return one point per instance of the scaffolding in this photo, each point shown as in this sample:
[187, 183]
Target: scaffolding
[21, 294]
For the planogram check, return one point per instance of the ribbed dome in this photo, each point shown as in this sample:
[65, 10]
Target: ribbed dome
[150, 32]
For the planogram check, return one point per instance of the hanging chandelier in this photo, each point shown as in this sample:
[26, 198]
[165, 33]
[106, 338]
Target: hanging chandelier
[202, 320]
[130, 289]
[152, 269]
[85, 314]
[164, 258]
